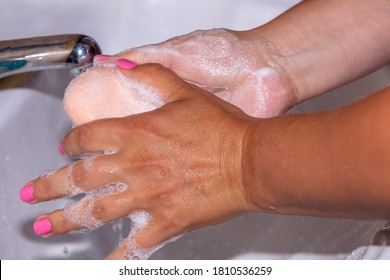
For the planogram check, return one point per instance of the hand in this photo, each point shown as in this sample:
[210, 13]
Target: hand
[235, 66]
[174, 169]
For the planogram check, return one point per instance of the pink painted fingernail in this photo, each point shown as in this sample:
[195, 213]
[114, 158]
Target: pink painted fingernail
[101, 57]
[61, 148]
[42, 226]
[27, 193]
[125, 64]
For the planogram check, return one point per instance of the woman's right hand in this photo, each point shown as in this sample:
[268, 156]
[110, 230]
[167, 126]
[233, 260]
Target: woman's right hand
[173, 170]
[236, 66]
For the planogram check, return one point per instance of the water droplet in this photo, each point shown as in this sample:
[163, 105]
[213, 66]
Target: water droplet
[65, 250]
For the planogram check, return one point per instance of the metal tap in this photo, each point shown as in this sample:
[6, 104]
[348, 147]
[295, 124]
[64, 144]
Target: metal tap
[50, 52]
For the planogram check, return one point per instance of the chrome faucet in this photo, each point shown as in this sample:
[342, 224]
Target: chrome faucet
[50, 52]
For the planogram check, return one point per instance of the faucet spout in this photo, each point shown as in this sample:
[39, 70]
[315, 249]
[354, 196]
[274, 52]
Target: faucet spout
[71, 51]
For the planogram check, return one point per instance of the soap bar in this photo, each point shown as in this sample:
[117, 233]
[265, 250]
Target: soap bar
[104, 92]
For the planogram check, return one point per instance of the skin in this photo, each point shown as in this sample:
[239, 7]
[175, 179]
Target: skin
[199, 160]
[164, 168]
[226, 63]
[316, 46]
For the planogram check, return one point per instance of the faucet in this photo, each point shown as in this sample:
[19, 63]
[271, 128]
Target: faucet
[50, 52]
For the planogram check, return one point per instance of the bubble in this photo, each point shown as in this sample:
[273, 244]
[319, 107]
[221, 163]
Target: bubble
[109, 189]
[65, 250]
[48, 173]
[143, 98]
[117, 227]
[139, 220]
[81, 212]
[271, 92]
[70, 188]
[111, 152]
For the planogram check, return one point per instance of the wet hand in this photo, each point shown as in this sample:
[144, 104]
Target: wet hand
[173, 170]
[233, 65]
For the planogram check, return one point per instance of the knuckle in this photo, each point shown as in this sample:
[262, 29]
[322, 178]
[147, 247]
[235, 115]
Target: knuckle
[169, 221]
[150, 71]
[79, 175]
[83, 136]
[43, 190]
[99, 211]
[155, 68]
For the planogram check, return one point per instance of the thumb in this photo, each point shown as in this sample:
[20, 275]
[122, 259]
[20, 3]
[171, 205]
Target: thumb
[157, 78]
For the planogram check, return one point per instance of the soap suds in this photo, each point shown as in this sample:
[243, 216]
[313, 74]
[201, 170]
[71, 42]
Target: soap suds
[81, 212]
[105, 92]
[48, 173]
[70, 188]
[140, 220]
[233, 69]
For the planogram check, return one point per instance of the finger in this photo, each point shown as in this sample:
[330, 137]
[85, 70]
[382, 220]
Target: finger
[82, 176]
[145, 54]
[164, 81]
[119, 253]
[97, 136]
[156, 53]
[91, 212]
[187, 61]
[142, 243]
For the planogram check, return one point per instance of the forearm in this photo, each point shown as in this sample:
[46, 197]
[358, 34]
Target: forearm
[333, 163]
[324, 44]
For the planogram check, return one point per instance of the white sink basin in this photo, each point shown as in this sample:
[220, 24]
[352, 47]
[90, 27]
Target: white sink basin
[33, 122]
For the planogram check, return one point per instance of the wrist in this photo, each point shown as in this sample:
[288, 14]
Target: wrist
[345, 40]
[268, 54]
[257, 188]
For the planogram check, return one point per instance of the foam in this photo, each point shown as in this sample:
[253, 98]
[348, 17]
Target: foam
[49, 173]
[139, 220]
[87, 159]
[70, 188]
[212, 53]
[145, 98]
[81, 212]
[270, 92]
[111, 152]
[228, 67]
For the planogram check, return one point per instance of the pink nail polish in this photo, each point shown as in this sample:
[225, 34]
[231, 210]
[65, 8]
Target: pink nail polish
[101, 57]
[42, 226]
[61, 148]
[125, 64]
[27, 193]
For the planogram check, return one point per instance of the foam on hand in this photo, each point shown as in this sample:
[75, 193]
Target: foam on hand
[70, 188]
[222, 63]
[140, 220]
[82, 212]
[104, 92]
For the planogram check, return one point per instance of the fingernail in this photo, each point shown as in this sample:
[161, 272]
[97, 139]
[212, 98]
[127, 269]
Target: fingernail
[61, 148]
[125, 64]
[101, 57]
[27, 193]
[42, 226]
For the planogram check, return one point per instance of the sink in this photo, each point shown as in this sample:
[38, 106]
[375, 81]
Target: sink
[32, 122]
